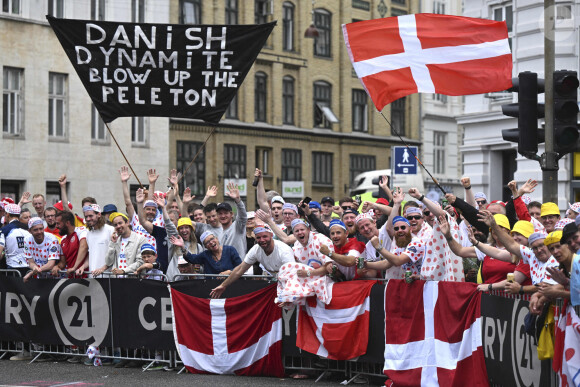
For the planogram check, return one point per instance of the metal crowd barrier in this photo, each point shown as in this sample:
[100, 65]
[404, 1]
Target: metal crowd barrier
[10, 273]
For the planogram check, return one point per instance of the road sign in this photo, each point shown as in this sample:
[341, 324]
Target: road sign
[404, 162]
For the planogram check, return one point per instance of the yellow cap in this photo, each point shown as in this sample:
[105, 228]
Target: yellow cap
[502, 220]
[115, 214]
[524, 227]
[184, 222]
[549, 208]
[553, 237]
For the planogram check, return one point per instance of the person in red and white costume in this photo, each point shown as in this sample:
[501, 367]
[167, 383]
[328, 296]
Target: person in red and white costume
[41, 249]
[307, 276]
[73, 244]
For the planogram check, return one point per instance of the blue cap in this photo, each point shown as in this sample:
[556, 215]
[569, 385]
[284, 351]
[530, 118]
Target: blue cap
[336, 222]
[148, 247]
[400, 219]
[109, 208]
[314, 204]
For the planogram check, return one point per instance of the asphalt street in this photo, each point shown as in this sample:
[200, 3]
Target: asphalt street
[21, 373]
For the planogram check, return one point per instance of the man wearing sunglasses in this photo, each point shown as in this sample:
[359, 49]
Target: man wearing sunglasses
[480, 200]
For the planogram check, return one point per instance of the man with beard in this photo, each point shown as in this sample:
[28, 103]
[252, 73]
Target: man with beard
[366, 225]
[50, 219]
[41, 249]
[98, 238]
[74, 245]
[346, 250]
[272, 254]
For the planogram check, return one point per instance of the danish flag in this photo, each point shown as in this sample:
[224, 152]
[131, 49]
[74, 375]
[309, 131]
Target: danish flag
[339, 330]
[240, 335]
[428, 53]
[433, 334]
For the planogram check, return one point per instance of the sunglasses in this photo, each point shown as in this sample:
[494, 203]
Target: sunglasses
[427, 213]
[481, 202]
[402, 228]
[414, 217]
[346, 208]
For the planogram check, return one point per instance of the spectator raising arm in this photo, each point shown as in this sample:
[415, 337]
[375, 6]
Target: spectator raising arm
[211, 193]
[152, 176]
[434, 208]
[25, 199]
[511, 246]
[281, 235]
[140, 198]
[173, 192]
[187, 198]
[234, 276]
[398, 196]
[261, 192]
[463, 252]
[63, 194]
[125, 176]
[468, 211]
[469, 197]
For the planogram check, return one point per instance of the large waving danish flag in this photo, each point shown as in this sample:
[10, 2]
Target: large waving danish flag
[428, 53]
[339, 330]
[240, 335]
[433, 334]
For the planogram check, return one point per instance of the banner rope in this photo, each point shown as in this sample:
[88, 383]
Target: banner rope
[123, 153]
[198, 151]
[393, 130]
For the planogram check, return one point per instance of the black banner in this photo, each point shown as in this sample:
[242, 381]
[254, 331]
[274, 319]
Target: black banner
[163, 70]
[511, 355]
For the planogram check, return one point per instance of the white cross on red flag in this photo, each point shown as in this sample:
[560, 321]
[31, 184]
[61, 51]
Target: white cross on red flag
[429, 53]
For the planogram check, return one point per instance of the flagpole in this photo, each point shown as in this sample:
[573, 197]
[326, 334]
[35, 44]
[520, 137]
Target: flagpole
[414, 155]
[125, 157]
[199, 151]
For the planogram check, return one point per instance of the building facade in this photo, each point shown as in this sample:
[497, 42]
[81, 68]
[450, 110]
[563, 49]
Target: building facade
[490, 161]
[49, 126]
[301, 116]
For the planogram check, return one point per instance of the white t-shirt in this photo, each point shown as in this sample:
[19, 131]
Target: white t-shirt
[385, 241]
[282, 254]
[98, 243]
[48, 250]
[14, 247]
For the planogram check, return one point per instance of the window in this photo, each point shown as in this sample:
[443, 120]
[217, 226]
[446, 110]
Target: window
[440, 98]
[12, 101]
[56, 8]
[139, 131]
[398, 12]
[232, 110]
[398, 1]
[439, 140]
[264, 160]
[231, 11]
[288, 100]
[52, 192]
[322, 168]
[260, 11]
[234, 161]
[505, 13]
[439, 7]
[360, 164]
[323, 115]
[57, 104]
[260, 96]
[322, 19]
[98, 9]
[194, 178]
[138, 11]
[291, 165]
[190, 12]
[398, 116]
[12, 189]
[359, 111]
[11, 6]
[99, 133]
[288, 26]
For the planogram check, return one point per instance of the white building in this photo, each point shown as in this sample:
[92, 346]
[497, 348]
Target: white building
[440, 134]
[490, 161]
[48, 124]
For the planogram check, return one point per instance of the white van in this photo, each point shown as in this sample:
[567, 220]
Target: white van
[364, 182]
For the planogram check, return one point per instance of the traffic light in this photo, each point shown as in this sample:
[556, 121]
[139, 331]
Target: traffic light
[527, 110]
[565, 111]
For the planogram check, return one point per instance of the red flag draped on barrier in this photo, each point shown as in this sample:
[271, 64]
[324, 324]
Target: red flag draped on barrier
[240, 335]
[433, 334]
[339, 330]
[427, 53]
[567, 348]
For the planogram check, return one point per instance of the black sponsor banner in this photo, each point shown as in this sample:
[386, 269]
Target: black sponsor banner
[162, 70]
[511, 355]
